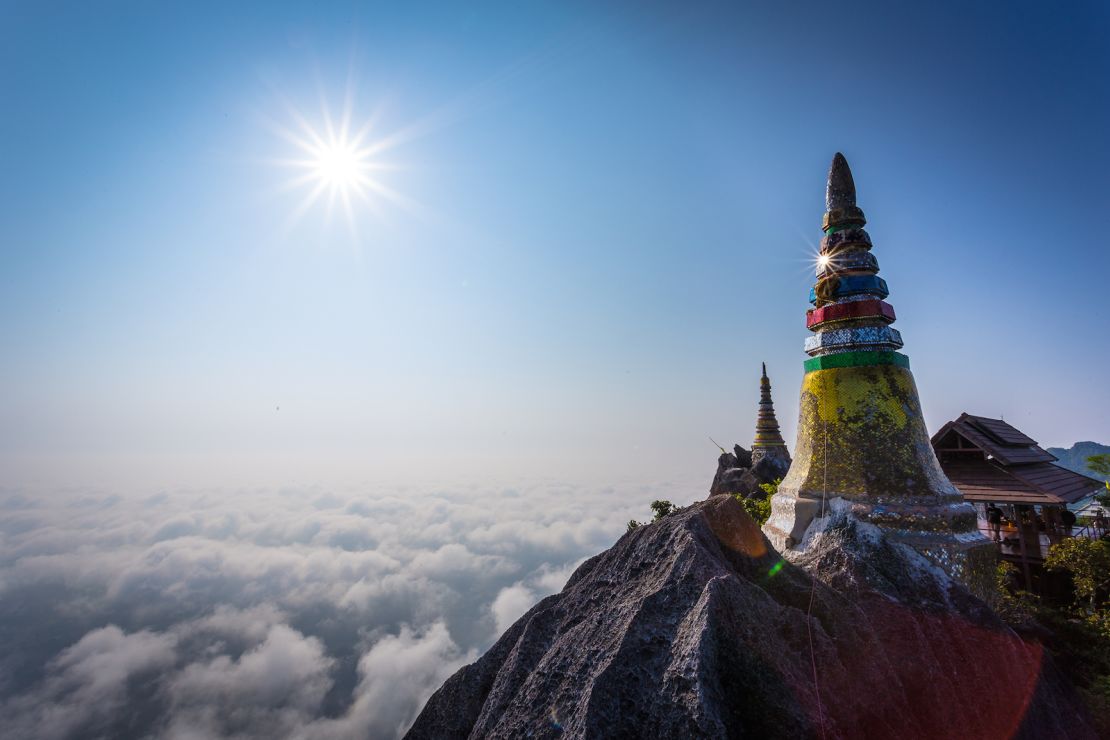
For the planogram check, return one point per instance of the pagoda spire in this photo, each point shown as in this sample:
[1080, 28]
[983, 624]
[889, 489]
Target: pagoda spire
[850, 314]
[861, 434]
[768, 440]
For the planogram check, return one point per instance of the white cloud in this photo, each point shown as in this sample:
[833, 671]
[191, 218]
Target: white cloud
[510, 604]
[254, 613]
[268, 691]
[397, 675]
[87, 683]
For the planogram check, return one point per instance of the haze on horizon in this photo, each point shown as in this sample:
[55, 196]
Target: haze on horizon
[594, 223]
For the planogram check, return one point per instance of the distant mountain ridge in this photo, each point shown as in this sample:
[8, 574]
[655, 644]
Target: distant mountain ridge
[1075, 458]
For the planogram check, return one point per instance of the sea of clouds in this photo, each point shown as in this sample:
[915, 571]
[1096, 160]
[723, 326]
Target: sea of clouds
[306, 613]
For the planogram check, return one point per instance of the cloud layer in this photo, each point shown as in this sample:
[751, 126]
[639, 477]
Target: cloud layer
[260, 614]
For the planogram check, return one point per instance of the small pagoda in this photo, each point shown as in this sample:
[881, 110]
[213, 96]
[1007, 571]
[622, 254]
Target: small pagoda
[768, 443]
[743, 472]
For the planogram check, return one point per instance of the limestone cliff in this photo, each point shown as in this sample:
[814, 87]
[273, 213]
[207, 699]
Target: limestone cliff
[694, 627]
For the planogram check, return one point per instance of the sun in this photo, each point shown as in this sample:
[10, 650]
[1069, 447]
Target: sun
[341, 166]
[338, 163]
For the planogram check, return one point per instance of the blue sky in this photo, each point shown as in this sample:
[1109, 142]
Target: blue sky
[605, 222]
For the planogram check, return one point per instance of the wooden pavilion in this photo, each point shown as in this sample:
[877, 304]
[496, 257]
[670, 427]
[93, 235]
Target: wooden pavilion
[991, 462]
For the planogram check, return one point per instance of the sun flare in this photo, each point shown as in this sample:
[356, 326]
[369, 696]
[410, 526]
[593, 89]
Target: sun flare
[339, 164]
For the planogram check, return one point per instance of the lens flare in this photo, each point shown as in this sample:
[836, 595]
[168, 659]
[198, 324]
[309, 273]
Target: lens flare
[338, 165]
[339, 162]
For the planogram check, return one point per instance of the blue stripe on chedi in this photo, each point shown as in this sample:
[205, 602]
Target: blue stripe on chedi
[870, 286]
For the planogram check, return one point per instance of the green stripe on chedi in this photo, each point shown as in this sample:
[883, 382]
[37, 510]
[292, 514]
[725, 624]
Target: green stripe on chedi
[863, 358]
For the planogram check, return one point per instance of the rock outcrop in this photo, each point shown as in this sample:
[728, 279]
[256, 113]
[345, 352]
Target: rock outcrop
[736, 473]
[694, 627]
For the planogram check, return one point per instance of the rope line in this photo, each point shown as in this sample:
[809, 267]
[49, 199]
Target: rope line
[813, 589]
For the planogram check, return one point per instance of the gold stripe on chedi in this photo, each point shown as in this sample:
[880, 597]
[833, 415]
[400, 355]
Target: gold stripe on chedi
[862, 441]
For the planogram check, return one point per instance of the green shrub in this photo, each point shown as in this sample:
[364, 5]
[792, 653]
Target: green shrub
[759, 508]
[662, 509]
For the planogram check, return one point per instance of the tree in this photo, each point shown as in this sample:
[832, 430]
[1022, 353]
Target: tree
[662, 509]
[1101, 465]
[1087, 560]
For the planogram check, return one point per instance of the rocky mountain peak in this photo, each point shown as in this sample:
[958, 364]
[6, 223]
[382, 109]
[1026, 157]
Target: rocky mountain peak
[695, 627]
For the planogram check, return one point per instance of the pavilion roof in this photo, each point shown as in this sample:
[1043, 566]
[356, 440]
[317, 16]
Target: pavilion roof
[1035, 483]
[990, 460]
[997, 439]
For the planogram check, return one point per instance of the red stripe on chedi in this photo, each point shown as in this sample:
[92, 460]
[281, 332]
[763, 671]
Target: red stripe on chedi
[852, 310]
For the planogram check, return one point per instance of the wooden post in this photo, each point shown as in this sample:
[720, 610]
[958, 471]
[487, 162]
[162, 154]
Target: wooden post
[1024, 550]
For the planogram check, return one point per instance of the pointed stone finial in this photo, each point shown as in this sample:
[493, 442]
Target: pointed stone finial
[841, 188]
[764, 369]
[840, 198]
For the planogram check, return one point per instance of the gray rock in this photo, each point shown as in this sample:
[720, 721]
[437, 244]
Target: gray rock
[737, 474]
[770, 469]
[736, 480]
[694, 627]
